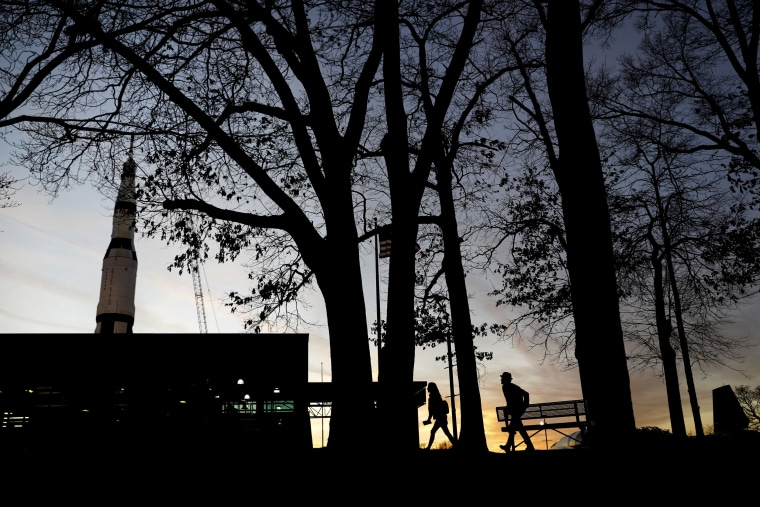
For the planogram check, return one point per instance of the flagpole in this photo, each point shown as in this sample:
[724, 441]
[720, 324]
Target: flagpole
[449, 355]
[377, 293]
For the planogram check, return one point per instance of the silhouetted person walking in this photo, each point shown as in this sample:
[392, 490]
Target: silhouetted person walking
[517, 401]
[438, 409]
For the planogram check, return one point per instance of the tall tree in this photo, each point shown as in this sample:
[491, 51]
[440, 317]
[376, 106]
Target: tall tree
[409, 163]
[676, 212]
[463, 165]
[695, 75]
[252, 118]
[599, 345]
[536, 276]
[558, 136]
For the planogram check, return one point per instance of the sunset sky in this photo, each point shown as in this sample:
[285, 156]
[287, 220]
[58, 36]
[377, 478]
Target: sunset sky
[51, 253]
[50, 267]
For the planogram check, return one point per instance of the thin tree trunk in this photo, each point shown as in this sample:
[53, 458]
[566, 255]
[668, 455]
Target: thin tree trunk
[677, 310]
[472, 436]
[667, 354]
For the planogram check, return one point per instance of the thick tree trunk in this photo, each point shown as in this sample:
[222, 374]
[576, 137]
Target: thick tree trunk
[397, 373]
[336, 264]
[340, 282]
[600, 349]
[398, 409]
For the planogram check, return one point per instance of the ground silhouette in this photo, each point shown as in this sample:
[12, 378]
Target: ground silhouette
[654, 468]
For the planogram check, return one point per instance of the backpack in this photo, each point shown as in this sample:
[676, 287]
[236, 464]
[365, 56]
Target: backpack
[444, 407]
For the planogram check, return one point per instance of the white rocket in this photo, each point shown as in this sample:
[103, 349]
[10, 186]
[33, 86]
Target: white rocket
[116, 308]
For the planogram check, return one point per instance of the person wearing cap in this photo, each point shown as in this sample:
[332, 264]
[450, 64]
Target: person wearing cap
[517, 401]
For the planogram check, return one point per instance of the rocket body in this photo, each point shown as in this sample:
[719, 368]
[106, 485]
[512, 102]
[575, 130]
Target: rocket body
[116, 307]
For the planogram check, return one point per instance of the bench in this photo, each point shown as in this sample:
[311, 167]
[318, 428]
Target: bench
[555, 415]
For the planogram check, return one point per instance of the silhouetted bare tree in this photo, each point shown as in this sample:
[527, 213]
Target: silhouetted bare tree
[700, 59]
[426, 77]
[571, 153]
[677, 220]
[258, 122]
[250, 115]
[692, 89]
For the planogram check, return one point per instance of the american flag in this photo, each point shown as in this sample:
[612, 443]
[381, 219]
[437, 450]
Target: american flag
[385, 244]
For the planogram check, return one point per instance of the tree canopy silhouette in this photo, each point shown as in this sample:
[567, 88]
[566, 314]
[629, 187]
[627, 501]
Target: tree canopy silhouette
[259, 124]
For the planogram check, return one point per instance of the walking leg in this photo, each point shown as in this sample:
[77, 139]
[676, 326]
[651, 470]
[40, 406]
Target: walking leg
[526, 439]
